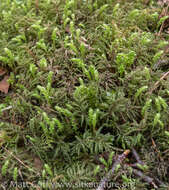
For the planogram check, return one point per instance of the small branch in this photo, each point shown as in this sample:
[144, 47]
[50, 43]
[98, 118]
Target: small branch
[165, 14]
[160, 183]
[158, 82]
[140, 174]
[10, 153]
[145, 177]
[135, 165]
[7, 108]
[37, 6]
[137, 157]
[105, 180]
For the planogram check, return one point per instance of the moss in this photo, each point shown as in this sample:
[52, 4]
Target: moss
[82, 83]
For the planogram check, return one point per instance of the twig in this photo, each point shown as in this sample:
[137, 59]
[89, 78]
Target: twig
[159, 182]
[145, 177]
[37, 6]
[137, 157]
[105, 180]
[162, 59]
[140, 174]
[155, 148]
[19, 160]
[7, 108]
[162, 26]
[158, 82]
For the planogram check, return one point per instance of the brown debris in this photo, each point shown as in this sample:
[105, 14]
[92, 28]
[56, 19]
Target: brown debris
[2, 71]
[4, 85]
[38, 163]
[37, 6]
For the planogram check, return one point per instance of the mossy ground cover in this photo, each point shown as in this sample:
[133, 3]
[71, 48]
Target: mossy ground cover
[88, 80]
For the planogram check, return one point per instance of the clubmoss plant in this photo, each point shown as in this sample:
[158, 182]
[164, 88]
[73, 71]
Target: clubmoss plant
[86, 81]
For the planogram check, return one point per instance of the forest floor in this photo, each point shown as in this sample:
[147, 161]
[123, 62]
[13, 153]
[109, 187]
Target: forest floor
[84, 94]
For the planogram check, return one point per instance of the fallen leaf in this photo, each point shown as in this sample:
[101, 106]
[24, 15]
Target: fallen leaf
[38, 163]
[2, 71]
[4, 85]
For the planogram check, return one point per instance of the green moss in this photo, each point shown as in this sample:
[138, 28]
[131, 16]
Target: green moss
[82, 83]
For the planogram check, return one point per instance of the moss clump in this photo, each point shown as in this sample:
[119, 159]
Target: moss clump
[82, 83]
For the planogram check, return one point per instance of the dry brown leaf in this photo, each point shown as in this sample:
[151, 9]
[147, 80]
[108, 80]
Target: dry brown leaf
[38, 163]
[4, 85]
[2, 71]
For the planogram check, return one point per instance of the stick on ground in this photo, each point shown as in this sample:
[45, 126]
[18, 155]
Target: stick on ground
[145, 178]
[137, 157]
[105, 180]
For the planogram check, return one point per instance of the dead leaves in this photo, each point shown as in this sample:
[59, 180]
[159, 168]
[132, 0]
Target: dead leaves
[4, 84]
